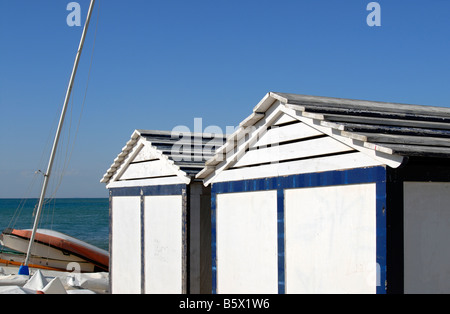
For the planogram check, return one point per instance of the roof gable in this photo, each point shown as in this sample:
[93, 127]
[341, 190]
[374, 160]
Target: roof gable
[385, 132]
[161, 157]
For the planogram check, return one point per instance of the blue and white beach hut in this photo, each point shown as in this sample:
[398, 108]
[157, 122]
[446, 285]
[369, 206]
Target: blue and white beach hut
[159, 212]
[325, 195]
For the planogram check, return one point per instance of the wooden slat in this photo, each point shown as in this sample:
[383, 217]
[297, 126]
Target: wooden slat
[338, 162]
[333, 125]
[358, 128]
[174, 135]
[146, 153]
[157, 168]
[252, 119]
[327, 110]
[188, 155]
[283, 119]
[297, 150]
[147, 182]
[187, 142]
[390, 160]
[417, 150]
[403, 139]
[190, 164]
[276, 135]
[173, 154]
[353, 104]
[386, 122]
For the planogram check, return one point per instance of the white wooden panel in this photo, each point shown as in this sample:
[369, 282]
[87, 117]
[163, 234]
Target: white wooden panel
[126, 245]
[126, 157]
[247, 242]
[163, 244]
[147, 153]
[393, 161]
[426, 235]
[331, 239]
[339, 162]
[303, 149]
[156, 168]
[284, 118]
[147, 182]
[289, 132]
[245, 138]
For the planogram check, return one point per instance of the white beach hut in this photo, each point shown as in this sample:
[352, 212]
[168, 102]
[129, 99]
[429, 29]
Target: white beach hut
[325, 195]
[158, 214]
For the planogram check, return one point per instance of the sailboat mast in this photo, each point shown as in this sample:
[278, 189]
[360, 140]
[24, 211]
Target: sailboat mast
[56, 140]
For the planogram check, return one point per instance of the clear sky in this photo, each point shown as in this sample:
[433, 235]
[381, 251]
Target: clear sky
[160, 64]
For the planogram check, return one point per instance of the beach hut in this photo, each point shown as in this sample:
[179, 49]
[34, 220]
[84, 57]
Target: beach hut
[158, 212]
[325, 195]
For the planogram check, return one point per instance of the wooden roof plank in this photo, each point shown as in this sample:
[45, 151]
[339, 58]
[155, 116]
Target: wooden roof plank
[367, 112]
[355, 104]
[403, 139]
[358, 128]
[252, 119]
[418, 150]
[387, 122]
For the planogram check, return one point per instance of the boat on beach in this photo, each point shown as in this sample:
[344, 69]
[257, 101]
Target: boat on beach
[44, 261]
[52, 250]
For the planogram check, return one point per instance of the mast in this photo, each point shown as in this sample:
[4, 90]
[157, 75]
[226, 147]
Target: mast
[24, 268]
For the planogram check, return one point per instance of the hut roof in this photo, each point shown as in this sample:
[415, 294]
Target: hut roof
[389, 130]
[402, 129]
[185, 152]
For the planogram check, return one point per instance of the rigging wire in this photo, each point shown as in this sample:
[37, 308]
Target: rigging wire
[68, 155]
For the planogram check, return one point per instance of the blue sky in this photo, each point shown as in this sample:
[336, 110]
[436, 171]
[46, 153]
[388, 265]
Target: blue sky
[160, 64]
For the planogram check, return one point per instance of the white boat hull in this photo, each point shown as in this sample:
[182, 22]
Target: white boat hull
[55, 250]
[39, 249]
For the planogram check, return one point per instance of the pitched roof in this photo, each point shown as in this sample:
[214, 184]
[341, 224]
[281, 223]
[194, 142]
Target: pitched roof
[186, 151]
[406, 130]
[387, 129]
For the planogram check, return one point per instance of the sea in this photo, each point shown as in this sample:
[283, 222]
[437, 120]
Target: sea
[86, 219]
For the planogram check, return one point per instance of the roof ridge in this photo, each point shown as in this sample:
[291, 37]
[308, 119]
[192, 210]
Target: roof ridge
[167, 133]
[358, 104]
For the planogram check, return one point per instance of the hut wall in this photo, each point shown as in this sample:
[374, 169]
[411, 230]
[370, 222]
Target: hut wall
[125, 246]
[331, 239]
[246, 242]
[359, 191]
[149, 241]
[426, 234]
[163, 219]
[273, 235]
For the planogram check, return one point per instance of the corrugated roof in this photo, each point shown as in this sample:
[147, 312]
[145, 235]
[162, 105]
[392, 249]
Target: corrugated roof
[186, 150]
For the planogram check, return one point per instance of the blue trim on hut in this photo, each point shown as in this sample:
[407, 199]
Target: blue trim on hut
[174, 189]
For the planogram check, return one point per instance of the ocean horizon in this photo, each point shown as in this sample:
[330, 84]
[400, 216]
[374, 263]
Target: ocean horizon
[86, 219]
